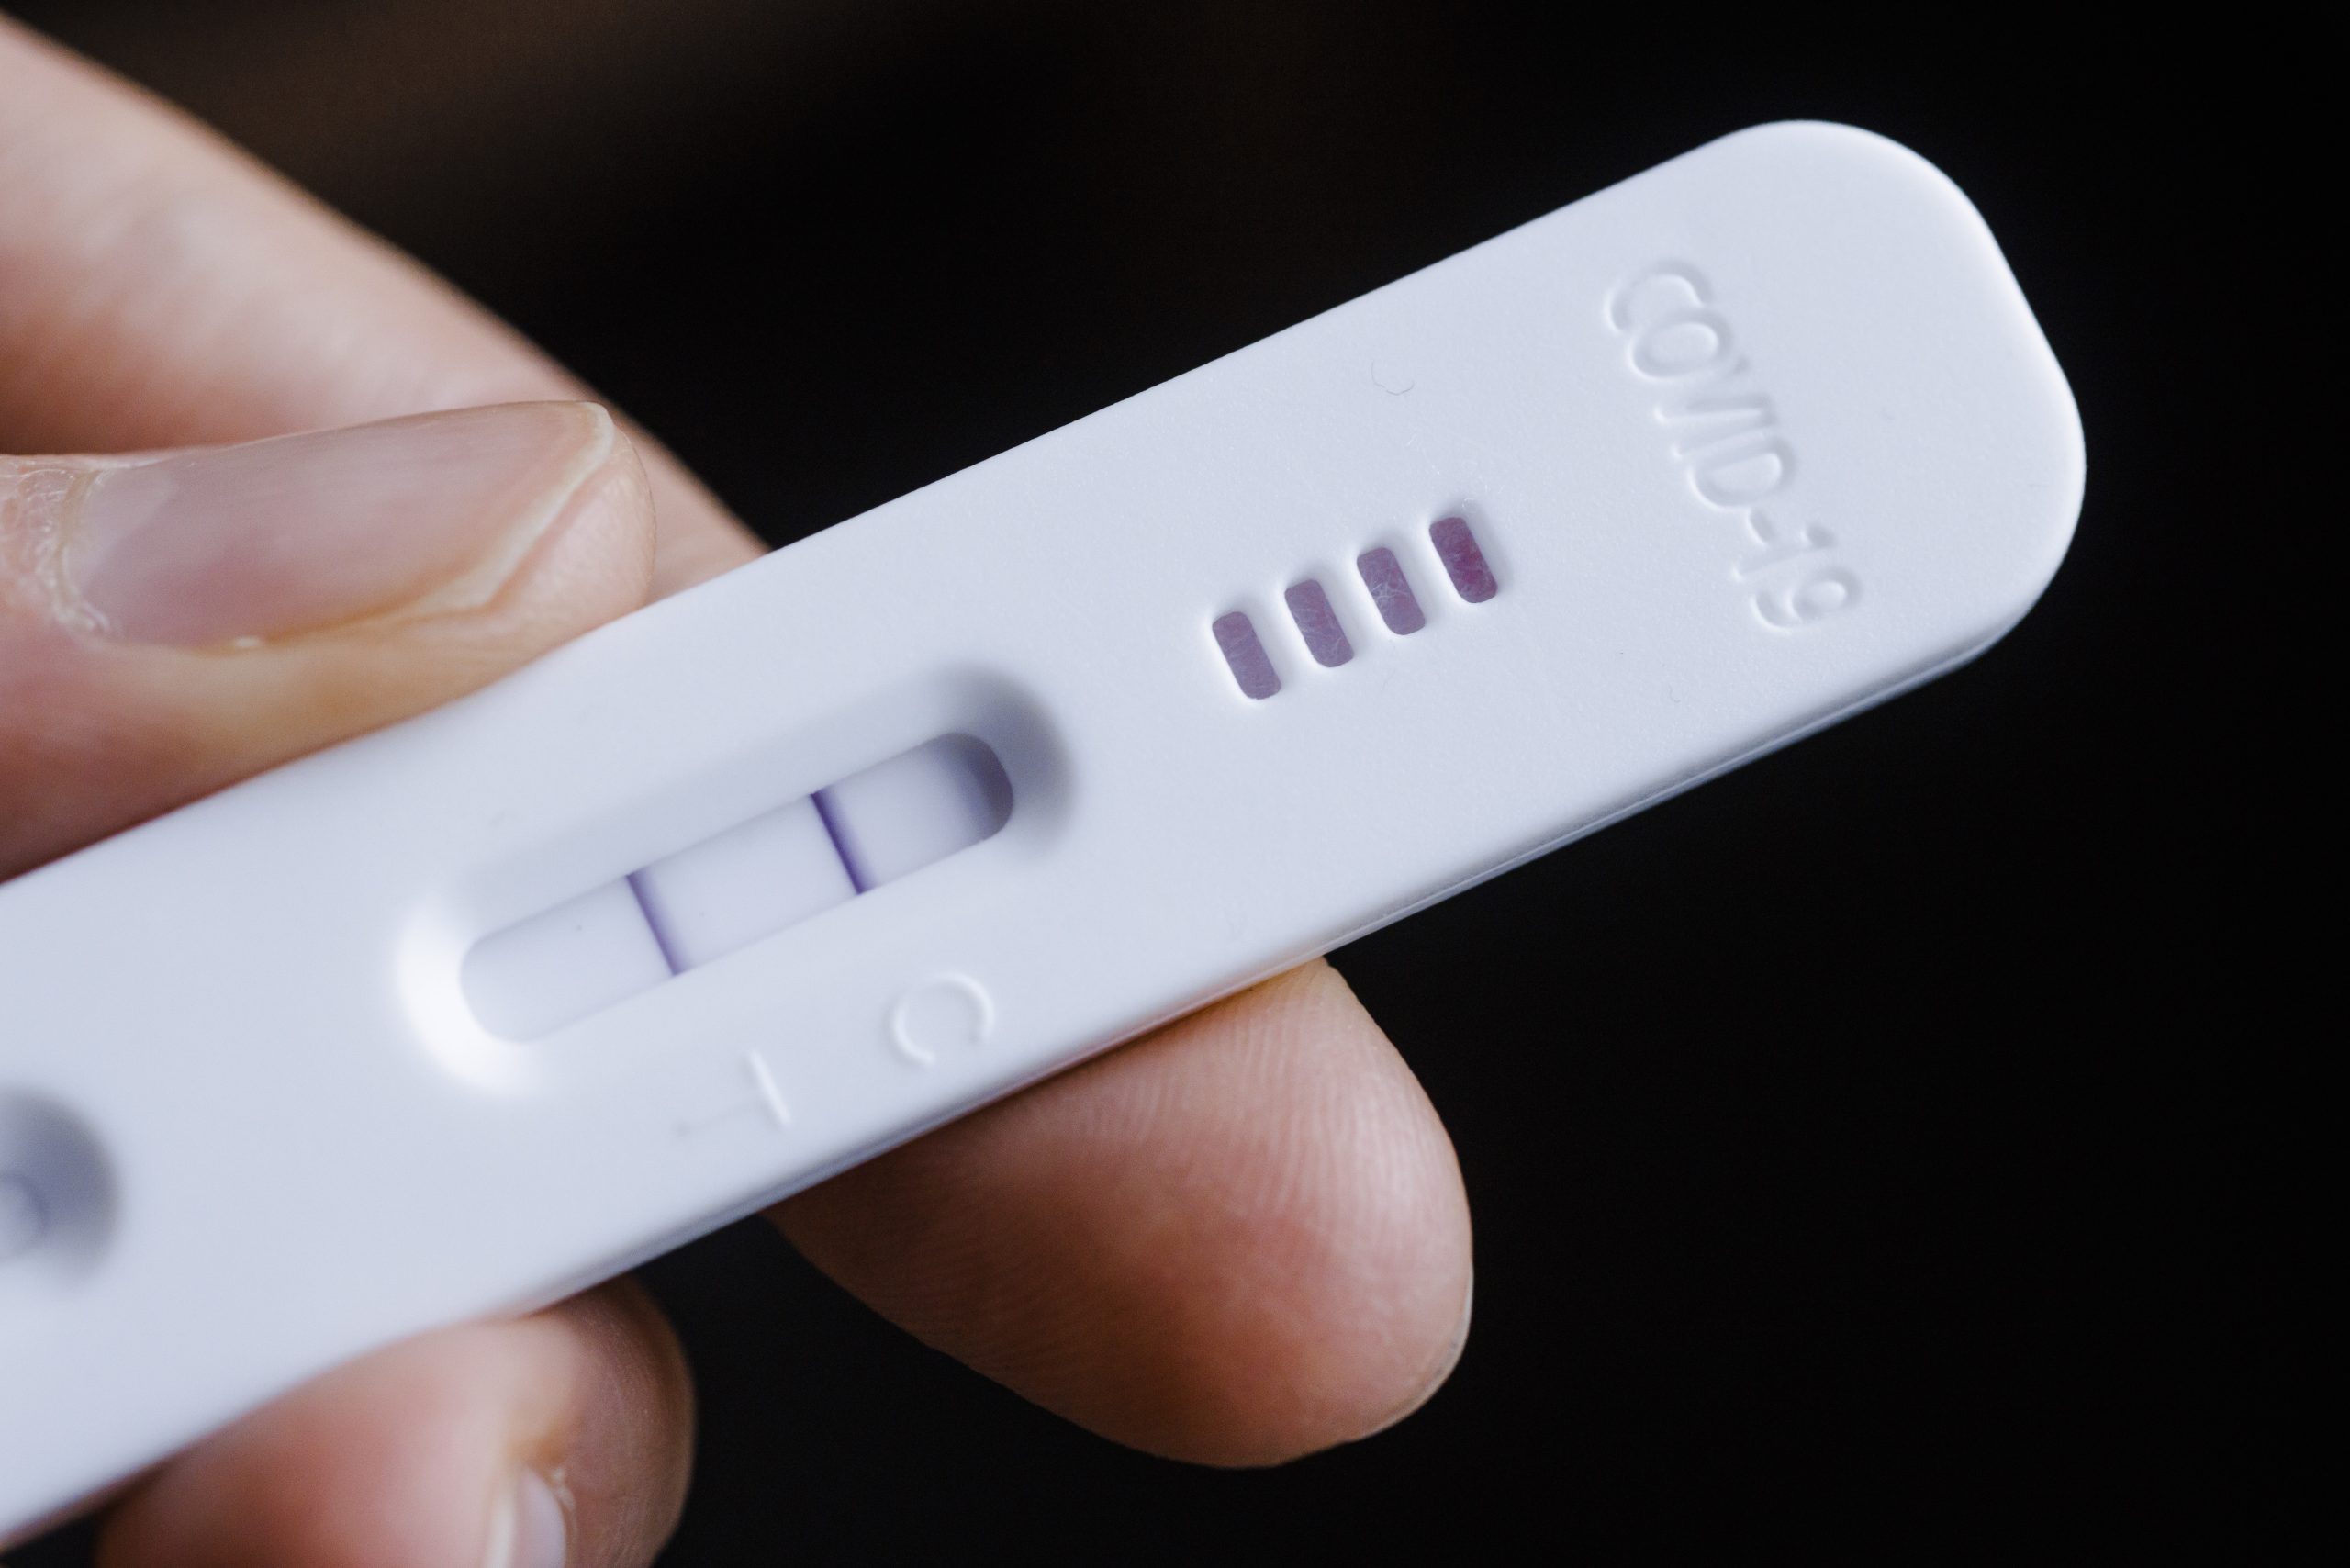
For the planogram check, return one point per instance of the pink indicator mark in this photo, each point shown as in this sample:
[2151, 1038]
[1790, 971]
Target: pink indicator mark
[1250, 668]
[1472, 579]
[1383, 574]
[1318, 624]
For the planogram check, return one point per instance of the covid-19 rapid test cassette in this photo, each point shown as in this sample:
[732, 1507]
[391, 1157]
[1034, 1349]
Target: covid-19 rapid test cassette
[464, 1015]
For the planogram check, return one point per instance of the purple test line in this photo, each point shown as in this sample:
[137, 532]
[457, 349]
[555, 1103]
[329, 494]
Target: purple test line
[663, 937]
[857, 878]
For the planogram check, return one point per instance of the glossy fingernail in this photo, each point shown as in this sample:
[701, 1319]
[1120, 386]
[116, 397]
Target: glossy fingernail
[529, 1527]
[276, 537]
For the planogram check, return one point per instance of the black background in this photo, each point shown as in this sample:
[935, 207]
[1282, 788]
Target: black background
[1905, 1141]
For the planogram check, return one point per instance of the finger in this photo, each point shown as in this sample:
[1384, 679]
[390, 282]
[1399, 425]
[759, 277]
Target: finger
[162, 289]
[1237, 1241]
[171, 624]
[562, 1440]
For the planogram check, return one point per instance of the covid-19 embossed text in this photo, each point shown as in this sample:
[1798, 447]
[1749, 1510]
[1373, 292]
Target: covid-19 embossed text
[1723, 433]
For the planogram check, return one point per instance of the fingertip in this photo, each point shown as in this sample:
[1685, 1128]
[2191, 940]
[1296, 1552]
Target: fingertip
[1342, 1238]
[1240, 1241]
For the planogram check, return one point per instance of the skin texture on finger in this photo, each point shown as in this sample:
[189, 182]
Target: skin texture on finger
[405, 1459]
[1234, 1242]
[98, 732]
[162, 289]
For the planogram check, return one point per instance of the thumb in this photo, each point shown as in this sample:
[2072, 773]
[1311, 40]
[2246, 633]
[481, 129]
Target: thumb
[171, 623]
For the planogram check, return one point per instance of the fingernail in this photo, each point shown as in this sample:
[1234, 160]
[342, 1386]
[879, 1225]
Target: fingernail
[528, 1527]
[235, 543]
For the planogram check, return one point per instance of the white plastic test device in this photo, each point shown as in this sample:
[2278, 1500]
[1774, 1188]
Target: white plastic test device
[464, 1015]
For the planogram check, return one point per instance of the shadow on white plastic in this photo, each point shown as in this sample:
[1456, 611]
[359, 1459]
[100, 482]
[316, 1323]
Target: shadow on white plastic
[56, 1200]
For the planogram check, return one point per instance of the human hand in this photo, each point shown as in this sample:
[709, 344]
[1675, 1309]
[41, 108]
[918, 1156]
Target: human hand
[1235, 1241]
